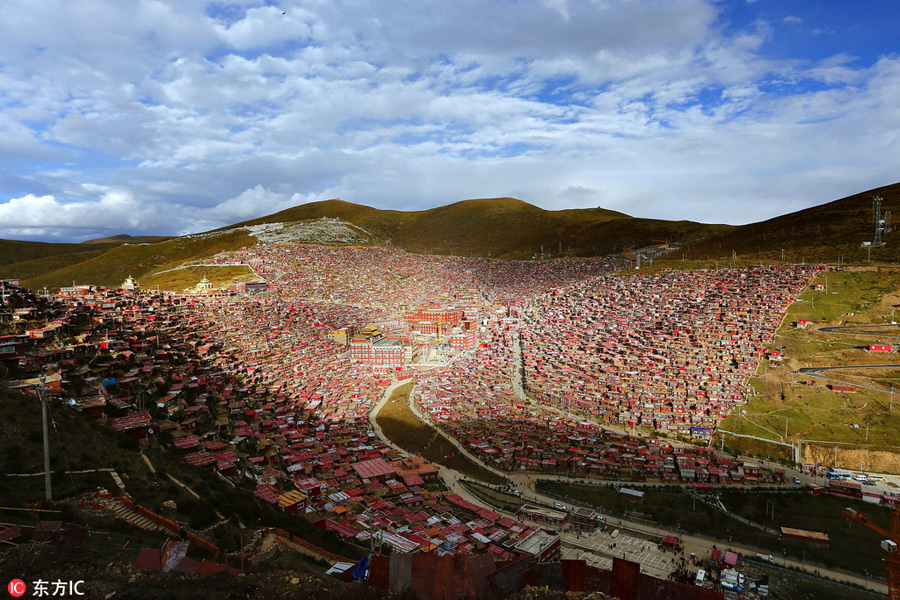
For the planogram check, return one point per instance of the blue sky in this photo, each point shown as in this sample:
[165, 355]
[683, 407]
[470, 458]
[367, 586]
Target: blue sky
[165, 117]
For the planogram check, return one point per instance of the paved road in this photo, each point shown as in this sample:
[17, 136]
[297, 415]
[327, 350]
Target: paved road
[849, 329]
[818, 372]
[815, 370]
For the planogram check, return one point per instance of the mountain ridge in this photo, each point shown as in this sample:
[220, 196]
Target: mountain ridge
[503, 227]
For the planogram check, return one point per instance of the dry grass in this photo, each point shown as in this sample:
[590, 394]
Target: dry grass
[113, 266]
[402, 427]
[506, 228]
[179, 279]
[502, 228]
[816, 412]
[819, 234]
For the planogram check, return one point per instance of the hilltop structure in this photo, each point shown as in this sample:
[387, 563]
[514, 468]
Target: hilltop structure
[131, 285]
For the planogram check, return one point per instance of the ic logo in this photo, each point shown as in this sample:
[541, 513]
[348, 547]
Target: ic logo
[16, 588]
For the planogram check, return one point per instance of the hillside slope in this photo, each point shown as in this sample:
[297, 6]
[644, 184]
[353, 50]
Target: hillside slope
[500, 227]
[111, 267]
[822, 233]
[492, 227]
[495, 227]
[82, 450]
[15, 251]
[127, 239]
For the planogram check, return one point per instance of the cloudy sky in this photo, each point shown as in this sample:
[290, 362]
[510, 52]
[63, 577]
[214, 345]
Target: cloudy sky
[172, 117]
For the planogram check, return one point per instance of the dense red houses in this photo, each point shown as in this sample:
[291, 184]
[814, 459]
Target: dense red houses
[260, 388]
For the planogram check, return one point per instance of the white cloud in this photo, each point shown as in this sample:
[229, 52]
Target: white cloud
[112, 210]
[195, 114]
[265, 26]
[252, 202]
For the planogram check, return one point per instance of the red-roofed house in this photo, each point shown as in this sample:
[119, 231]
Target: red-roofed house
[374, 469]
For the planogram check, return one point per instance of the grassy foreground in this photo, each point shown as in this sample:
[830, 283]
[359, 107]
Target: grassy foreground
[860, 420]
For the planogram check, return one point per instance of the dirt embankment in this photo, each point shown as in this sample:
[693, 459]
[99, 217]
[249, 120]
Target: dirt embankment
[875, 461]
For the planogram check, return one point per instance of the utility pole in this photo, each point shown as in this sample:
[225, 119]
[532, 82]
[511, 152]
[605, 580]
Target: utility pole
[41, 388]
[782, 255]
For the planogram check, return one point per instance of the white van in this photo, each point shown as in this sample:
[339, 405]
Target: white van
[701, 575]
[861, 477]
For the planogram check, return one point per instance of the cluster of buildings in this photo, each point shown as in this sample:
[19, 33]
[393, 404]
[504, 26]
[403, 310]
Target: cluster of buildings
[669, 351]
[513, 435]
[390, 280]
[305, 445]
[595, 350]
[274, 391]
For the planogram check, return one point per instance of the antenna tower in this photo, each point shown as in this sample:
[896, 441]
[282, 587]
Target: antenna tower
[879, 222]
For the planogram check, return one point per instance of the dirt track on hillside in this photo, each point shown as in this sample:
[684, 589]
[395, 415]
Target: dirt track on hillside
[406, 430]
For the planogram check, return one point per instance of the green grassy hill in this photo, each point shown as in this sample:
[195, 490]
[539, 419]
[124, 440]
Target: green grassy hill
[110, 268]
[127, 239]
[819, 234]
[501, 227]
[495, 227]
[14, 251]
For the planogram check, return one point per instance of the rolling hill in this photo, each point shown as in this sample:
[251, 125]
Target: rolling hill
[490, 227]
[127, 239]
[14, 251]
[823, 233]
[500, 228]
